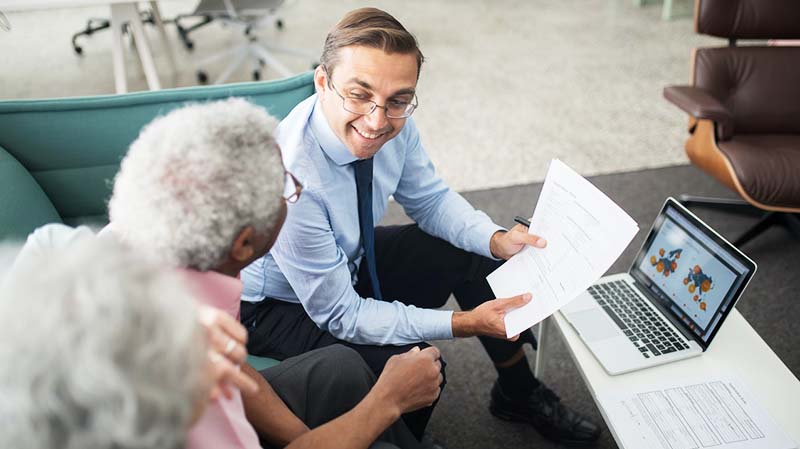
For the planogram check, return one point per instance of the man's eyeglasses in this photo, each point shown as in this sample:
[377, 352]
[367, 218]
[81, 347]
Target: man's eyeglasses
[394, 108]
[292, 189]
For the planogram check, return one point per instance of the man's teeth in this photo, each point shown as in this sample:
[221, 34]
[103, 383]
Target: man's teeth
[368, 135]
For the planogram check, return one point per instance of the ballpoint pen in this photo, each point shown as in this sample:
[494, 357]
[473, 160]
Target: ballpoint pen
[522, 221]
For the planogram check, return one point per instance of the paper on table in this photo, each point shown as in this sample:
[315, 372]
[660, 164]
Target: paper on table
[693, 413]
[585, 231]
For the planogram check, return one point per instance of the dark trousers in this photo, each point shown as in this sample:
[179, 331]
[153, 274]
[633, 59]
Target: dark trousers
[414, 268]
[321, 385]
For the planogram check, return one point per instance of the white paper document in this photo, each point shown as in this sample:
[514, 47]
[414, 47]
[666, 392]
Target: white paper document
[692, 415]
[585, 231]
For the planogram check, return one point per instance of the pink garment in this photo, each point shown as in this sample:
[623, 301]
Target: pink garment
[223, 424]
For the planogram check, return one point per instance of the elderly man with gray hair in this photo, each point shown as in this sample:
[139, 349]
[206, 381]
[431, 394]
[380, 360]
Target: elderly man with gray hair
[93, 355]
[204, 189]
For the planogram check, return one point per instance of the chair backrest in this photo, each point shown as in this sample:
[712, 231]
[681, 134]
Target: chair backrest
[58, 157]
[748, 19]
[760, 85]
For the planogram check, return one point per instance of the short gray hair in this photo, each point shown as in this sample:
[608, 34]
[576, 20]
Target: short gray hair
[195, 178]
[99, 349]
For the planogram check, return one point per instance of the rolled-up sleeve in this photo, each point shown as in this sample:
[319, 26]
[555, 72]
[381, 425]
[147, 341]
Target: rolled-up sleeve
[307, 253]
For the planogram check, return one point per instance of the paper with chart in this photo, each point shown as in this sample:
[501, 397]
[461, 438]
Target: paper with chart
[693, 414]
[585, 231]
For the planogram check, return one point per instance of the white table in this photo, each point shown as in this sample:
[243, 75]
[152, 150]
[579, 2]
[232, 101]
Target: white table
[121, 12]
[737, 349]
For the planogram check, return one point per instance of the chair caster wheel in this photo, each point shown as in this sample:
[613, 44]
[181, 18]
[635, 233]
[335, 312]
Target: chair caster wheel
[279, 24]
[256, 75]
[189, 45]
[78, 50]
[202, 77]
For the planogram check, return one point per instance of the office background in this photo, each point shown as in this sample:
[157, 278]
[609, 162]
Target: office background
[507, 86]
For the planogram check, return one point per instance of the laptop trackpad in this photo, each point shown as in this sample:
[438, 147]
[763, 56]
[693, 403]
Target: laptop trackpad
[594, 325]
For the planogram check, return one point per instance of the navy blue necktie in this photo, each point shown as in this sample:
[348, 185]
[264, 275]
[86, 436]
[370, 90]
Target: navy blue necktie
[363, 170]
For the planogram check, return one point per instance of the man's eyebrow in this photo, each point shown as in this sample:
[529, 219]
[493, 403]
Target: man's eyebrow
[406, 91]
[366, 85]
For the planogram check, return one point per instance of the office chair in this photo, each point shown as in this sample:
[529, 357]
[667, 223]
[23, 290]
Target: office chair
[744, 110]
[245, 16]
[94, 25]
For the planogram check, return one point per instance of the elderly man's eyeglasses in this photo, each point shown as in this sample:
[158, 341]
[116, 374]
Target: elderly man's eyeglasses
[292, 189]
[394, 108]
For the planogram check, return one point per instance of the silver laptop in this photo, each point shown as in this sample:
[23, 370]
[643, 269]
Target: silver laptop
[683, 283]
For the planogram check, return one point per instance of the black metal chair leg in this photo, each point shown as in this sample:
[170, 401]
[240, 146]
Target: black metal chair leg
[92, 26]
[788, 220]
[95, 25]
[736, 205]
[792, 223]
[768, 220]
[183, 32]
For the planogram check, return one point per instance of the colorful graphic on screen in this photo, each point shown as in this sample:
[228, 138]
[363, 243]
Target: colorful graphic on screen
[691, 277]
[698, 283]
[666, 265]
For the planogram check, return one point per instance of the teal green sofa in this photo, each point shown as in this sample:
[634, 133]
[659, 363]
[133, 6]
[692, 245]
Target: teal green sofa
[58, 157]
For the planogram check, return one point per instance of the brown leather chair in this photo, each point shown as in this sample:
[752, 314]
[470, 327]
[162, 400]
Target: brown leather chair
[744, 108]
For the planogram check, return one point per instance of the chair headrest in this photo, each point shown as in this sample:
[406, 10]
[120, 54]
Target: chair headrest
[748, 19]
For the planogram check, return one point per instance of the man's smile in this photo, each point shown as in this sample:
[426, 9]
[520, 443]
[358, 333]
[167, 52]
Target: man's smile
[370, 135]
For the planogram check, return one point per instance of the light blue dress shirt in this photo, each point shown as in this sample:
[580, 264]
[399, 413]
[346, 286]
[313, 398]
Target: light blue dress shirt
[316, 257]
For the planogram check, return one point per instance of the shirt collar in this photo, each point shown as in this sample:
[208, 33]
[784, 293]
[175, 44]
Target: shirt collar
[214, 289]
[209, 287]
[328, 141]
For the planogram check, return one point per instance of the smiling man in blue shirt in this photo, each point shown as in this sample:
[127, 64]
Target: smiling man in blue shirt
[332, 277]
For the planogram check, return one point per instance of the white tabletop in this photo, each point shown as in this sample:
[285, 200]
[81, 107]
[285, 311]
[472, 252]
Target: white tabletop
[736, 349]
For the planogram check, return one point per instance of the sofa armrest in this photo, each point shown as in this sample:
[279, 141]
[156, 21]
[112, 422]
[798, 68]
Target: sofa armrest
[702, 105]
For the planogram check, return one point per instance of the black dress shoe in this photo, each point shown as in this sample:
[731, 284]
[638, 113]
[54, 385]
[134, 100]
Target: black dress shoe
[544, 411]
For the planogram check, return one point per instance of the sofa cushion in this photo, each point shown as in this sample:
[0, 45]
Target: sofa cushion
[25, 205]
[261, 363]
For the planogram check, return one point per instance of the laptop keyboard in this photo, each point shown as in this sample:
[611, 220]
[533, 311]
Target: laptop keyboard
[646, 329]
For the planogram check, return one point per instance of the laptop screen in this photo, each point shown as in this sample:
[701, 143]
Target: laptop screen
[694, 274]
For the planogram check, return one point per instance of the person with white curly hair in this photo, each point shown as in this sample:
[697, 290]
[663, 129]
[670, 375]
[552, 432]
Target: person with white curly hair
[199, 179]
[93, 356]
[203, 189]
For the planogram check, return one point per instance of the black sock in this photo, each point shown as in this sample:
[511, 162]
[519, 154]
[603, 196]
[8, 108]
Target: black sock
[517, 379]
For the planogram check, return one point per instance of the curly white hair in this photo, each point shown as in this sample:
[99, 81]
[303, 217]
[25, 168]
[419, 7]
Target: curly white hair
[100, 350]
[195, 178]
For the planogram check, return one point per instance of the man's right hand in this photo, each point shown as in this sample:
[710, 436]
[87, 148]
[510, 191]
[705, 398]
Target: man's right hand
[411, 381]
[488, 319]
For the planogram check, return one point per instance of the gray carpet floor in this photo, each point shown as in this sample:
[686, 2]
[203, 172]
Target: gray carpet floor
[462, 420]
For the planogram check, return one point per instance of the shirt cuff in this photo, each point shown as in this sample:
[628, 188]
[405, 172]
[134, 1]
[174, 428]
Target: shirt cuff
[438, 325]
[488, 231]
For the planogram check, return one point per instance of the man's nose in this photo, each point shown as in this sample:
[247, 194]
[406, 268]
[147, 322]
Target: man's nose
[377, 119]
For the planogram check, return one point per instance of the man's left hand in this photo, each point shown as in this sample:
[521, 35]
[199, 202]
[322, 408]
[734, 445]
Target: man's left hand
[505, 244]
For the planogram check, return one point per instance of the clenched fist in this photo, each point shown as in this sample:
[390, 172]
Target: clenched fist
[412, 380]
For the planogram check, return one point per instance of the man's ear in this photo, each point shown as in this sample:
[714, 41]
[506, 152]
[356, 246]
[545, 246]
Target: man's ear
[242, 249]
[320, 79]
